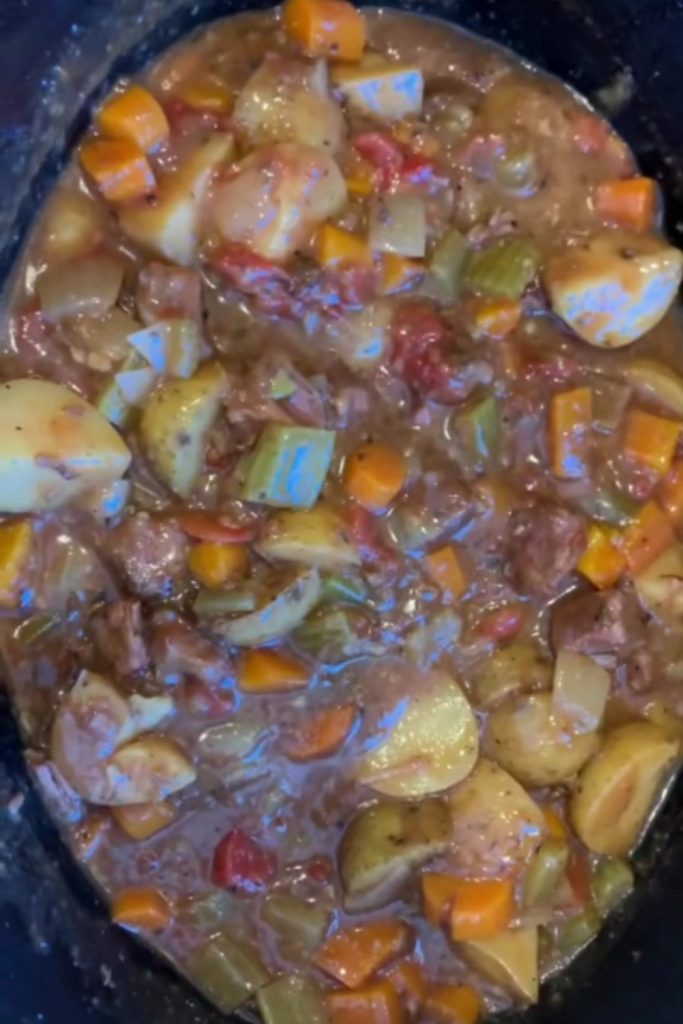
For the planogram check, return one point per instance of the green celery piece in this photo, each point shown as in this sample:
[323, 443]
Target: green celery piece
[343, 590]
[545, 872]
[578, 932]
[504, 268]
[292, 999]
[227, 970]
[611, 883]
[299, 926]
[447, 262]
[478, 430]
[210, 604]
[282, 386]
[289, 466]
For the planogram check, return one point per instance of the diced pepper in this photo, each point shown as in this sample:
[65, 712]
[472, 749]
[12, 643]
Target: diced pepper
[214, 530]
[376, 1004]
[410, 984]
[454, 1004]
[120, 169]
[650, 533]
[206, 93]
[321, 734]
[496, 318]
[140, 821]
[15, 550]
[481, 909]
[352, 955]
[374, 474]
[504, 268]
[438, 895]
[335, 246]
[213, 564]
[478, 431]
[602, 561]
[397, 272]
[326, 28]
[445, 568]
[145, 909]
[134, 116]
[671, 493]
[266, 671]
[651, 440]
[241, 864]
[631, 203]
[571, 414]
[289, 466]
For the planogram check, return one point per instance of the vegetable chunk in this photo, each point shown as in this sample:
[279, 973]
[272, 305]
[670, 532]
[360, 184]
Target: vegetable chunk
[289, 466]
[380, 88]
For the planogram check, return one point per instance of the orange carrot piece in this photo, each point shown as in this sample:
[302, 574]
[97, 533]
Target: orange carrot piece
[602, 562]
[410, 984]
[374, 475]
[134, 116]
[571, 416]
[671, 493]
[335, 246]
[321, 735]
[397, 272]
[482, 909]
[438, 895]
[119, 169]
[376, 1004]
[445, 568]
[265, 671]
[644, 540]
[651, 440]
[202, 526]
[557, 828]
[631, 203]
[454, 1004]
[213, 564]
[206, 94]
[497, 317]
[326, 28]
[140, 821]
[144, 909]
[353, 955]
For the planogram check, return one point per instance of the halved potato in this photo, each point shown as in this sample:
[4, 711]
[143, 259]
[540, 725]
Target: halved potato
[660, 586]
[433, 745]
[278, 196]
[617, 790]
[54, 447]
[380, 88]
[528, 738]
[315, 536]
[615, 286]
[280, 615]
[495, 825]
[169, 227]
[147, 770]
[384, 843]
[519, 667]
[509, 960]
[176, 422]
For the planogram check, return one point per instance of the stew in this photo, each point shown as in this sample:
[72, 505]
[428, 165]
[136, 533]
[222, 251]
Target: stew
[341, 480]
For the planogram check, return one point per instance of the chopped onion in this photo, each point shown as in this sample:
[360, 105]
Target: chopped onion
[361, 339]
[171, 346]
[580, 689]
[136, 385]
[398, 224]
[88, 287]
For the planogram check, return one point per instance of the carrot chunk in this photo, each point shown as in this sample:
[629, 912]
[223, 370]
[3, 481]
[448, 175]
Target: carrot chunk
[602, 562]
[651, 440]
[571, 416]
[213, 564]
[409, 982]
[119, 169]
[438, 894]
[144, 909]
[482, 909]
[631, 203]
[454, 1004]
[134, 116]
[321, 735]
[374, 475]
[335, 246]
[265, 671]
[140, 821]
[353, 955]
[376, 1004]
[445, 568]
[497, 317]
[326, 28]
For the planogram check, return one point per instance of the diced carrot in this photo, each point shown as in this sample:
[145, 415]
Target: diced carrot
[579, 875]
[321, 734]
[497, 317]
[336, 246]
[643, 540]
[15, 550]
[213, 564]
[602, 561]
[557, 828]
[353, 955]
[409, 982]
[376, 1004]
[397, 272]
[134, 116]
[360, 181]
[374, 475]
[265, 671]
[438, 894]
[120, 169]
[631, 203]
[671, 493]
[445, 568]
[651, 440]
[140, 821]
[326, 28]
[202, 526]
[500, 497]
[206, 94]
[143, 908]
[571, 417]
[454, 1004]
[482, 909]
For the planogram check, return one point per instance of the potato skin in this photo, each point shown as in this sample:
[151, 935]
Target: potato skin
[617, 790]
[315, 536]
[528, 740]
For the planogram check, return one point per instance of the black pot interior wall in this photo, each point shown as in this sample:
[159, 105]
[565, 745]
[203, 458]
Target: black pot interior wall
[60, 958]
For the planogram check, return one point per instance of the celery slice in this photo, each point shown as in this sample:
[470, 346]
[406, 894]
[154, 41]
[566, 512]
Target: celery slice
[300, 927]
[343, 590]
[289, 466]
[611, 883]
[545, 872]
[578, 932]
[292, 1000]
[478, 430]
[227, 971]
[211, 604]
[504, 268]
[447, 262]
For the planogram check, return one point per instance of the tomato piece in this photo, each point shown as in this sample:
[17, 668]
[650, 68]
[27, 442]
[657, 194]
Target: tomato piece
[503, 623]
[385, 155]
[319, 870]
[421, 340]
[269, 284]
[215, 529]
[241, 864]
[418, 169]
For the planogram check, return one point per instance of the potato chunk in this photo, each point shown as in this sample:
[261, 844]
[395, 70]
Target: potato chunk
[313, 536]
[660, 586]
[617, 790]
[277, 197]
[509, 960]
[614, 287]
[384, 843]
[54, 447]
[379, 88]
